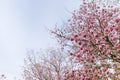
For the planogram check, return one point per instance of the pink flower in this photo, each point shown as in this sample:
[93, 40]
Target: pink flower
[106, 30]
[111, 28]
[116, 28]
[117, 20]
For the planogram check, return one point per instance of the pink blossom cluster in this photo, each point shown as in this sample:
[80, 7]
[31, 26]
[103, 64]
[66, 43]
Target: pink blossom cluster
[94, 31]
[87, 74]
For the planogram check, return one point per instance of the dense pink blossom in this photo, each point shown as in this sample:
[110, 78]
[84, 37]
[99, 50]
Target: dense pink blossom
[94, 35]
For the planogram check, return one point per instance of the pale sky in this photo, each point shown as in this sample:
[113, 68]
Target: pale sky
[23, 26]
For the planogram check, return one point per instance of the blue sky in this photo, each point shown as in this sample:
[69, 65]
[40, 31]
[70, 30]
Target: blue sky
[23, 26]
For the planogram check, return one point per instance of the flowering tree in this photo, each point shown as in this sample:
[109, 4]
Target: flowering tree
[92, 38]
[48, 67]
